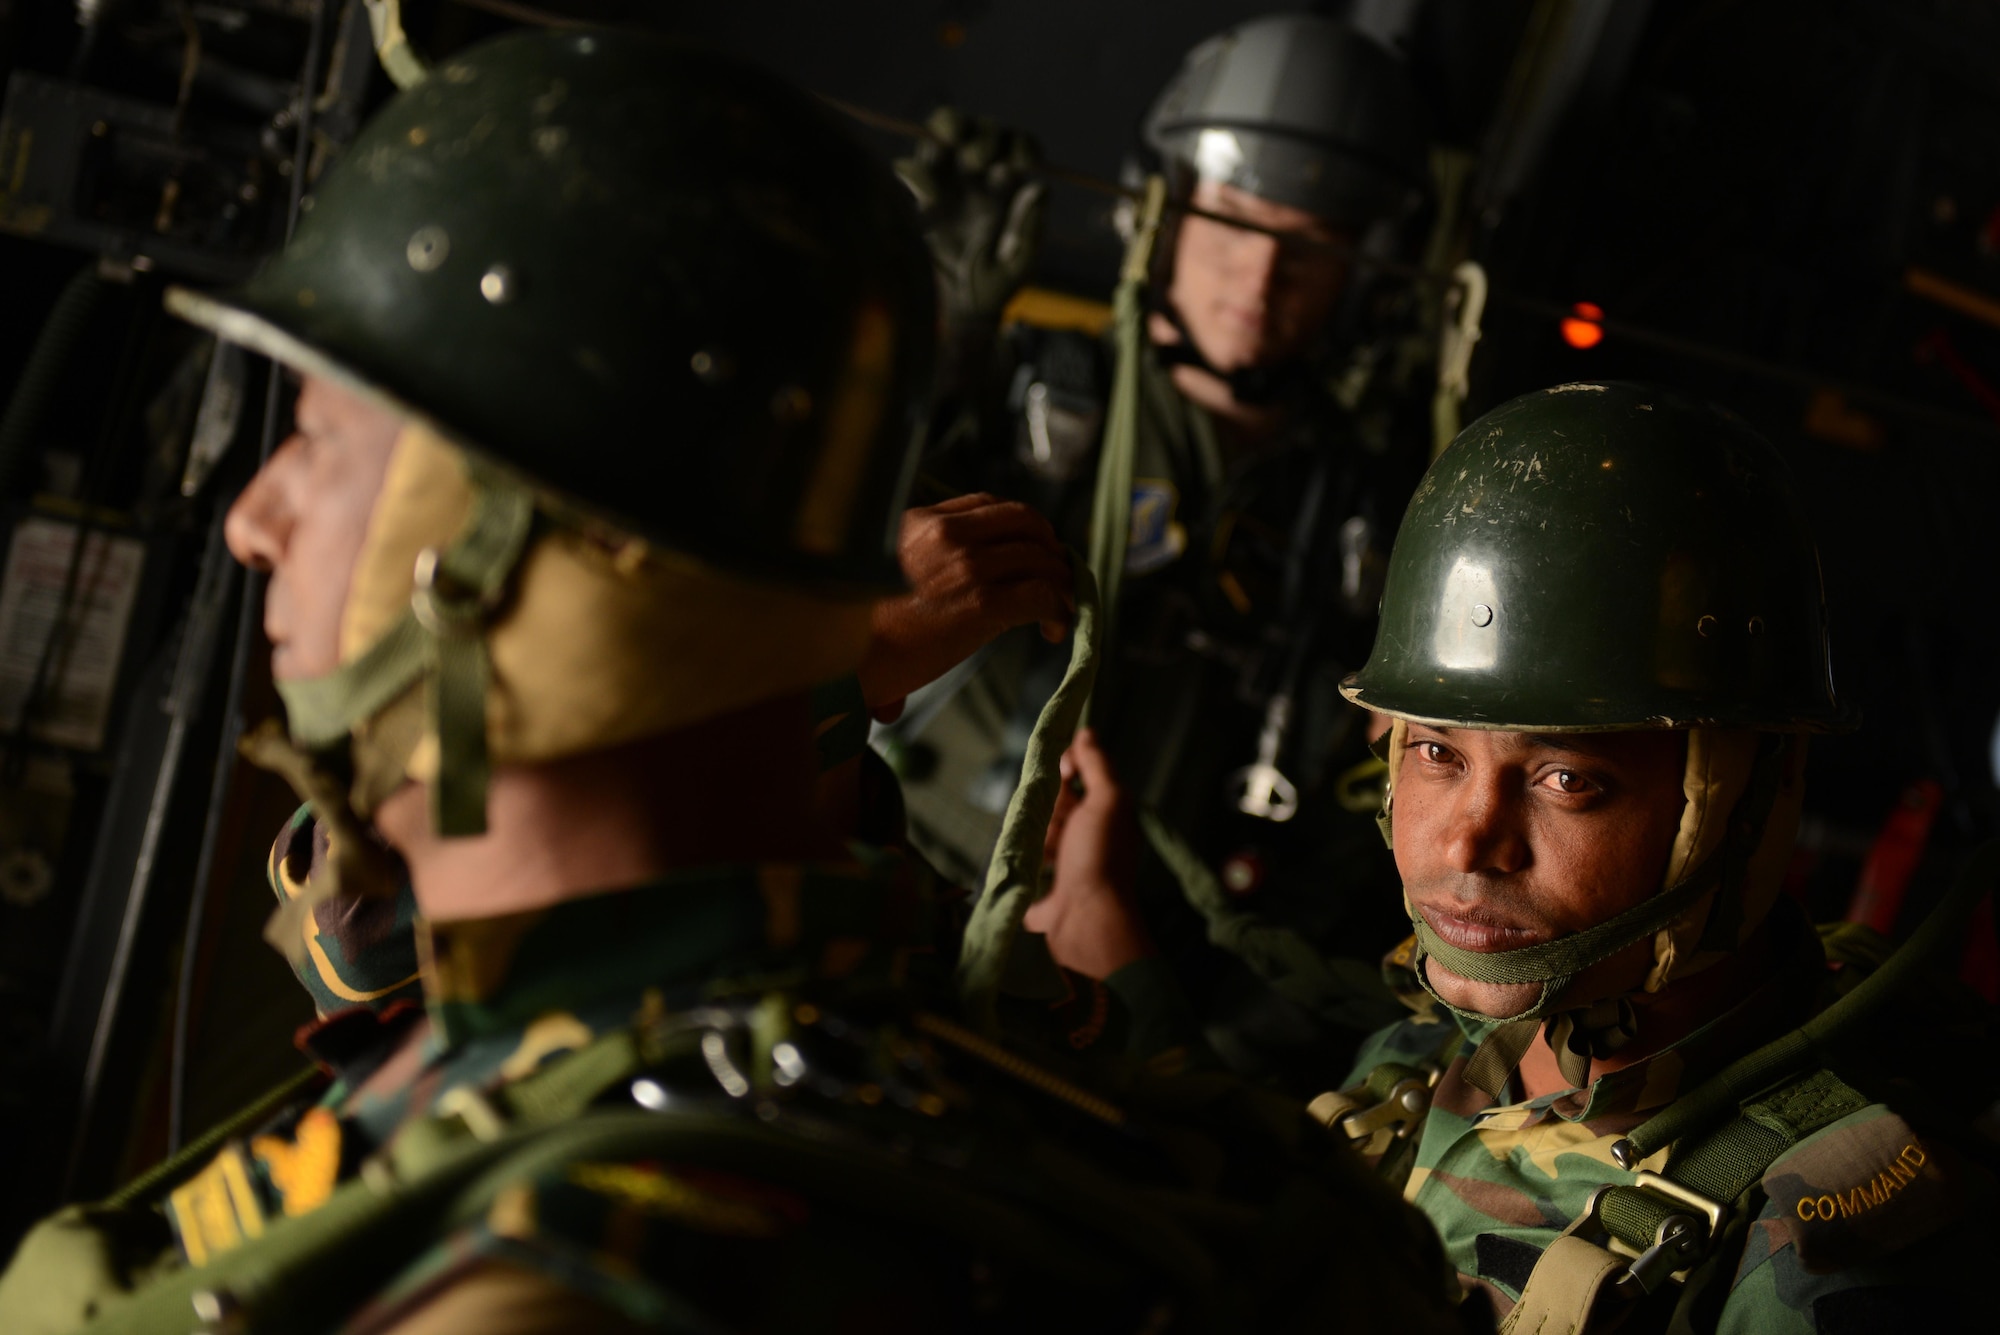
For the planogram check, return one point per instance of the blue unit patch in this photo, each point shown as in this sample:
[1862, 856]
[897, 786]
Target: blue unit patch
[1157, 538]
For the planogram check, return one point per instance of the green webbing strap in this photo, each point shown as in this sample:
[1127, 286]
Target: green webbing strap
[1561, 959]
[1725, 1164]
[1344, 991]
[457, 591]
[1014, 878]
[400, 61]
[1500, 1052]
[304, 1272]
[1803, 1049]
[1111, 502]
[321, 711]
[444, 1172]
[440, 639]
[164, 1176]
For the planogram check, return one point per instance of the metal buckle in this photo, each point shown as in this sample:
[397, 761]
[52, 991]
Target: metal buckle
[1678, 1243]
[1408, 1101]
[441, 605]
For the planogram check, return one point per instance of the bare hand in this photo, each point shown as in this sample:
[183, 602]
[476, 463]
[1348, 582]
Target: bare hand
[1088, 918]
[978, 566]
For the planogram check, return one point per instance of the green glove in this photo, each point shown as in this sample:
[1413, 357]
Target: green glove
[981, 205]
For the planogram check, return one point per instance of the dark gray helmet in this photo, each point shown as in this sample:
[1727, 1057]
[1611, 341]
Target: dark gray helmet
[1299, 110]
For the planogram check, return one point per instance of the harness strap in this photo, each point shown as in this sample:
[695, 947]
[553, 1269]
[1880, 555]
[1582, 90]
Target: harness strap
[1014, 878]
[1667, 1222]
[446, 1170]
[1111, 503]
[1564, 1289]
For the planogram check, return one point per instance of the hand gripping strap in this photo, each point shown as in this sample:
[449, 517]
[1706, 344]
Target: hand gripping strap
[1014, 878]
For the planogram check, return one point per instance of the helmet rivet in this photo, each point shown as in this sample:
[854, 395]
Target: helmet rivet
[428, 248]
[497, 285]
[1756, 625]
[791, 404]
[1705, 627]
[1482, 615]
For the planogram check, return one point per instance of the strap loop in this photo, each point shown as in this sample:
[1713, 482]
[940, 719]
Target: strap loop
[1014, 878]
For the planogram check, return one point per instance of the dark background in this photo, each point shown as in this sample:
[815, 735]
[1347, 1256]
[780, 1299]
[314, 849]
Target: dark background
[1742, 186]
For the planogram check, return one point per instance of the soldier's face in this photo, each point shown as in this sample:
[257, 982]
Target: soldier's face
[1250, 298]
[304, 517]
[1509, 839]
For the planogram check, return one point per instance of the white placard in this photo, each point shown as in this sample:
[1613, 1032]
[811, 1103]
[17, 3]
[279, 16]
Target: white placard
[76, 700]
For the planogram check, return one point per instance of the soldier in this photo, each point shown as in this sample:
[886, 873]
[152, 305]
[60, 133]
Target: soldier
[1259, 502]
[1604, 644]
[571, 523]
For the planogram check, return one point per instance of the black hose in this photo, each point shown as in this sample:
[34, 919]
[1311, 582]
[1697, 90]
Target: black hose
[53, 347]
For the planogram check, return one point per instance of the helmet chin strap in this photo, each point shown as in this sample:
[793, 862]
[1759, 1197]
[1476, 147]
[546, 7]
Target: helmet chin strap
[1255, 385]
[439, 640]
[1596, 1028]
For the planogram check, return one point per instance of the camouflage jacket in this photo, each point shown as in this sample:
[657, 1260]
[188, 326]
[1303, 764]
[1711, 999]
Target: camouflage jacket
[1004, 1193]
[1867, 1224]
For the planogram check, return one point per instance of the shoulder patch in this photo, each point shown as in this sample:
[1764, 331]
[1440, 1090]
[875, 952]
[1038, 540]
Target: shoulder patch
[1860, 1189]
[1157, 538]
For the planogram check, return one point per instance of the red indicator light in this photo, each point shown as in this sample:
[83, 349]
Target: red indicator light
[1585, 327]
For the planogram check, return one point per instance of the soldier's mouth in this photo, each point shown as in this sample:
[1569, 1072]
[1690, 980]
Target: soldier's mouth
[1479, 929]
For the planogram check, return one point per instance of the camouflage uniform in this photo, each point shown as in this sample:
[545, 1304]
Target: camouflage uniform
[1502, 1179]
[821, 961]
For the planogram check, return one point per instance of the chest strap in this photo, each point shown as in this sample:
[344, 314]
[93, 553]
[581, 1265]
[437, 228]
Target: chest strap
[1634, 1237]
[1725, 1135]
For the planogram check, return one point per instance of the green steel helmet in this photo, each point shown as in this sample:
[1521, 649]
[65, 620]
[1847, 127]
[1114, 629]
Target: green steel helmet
[1299, 110]
[1599, 557]
[652, 281]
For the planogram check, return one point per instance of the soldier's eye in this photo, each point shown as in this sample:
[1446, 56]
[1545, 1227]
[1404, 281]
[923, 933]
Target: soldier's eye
[1569, 781]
